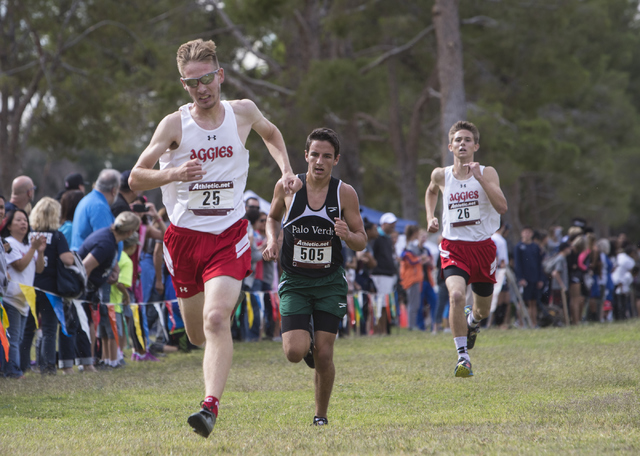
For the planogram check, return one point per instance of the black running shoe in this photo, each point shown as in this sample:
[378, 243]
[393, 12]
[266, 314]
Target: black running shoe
[463, 368]
[309, 356]
[202, 422]
[319, 421]
[472, 333]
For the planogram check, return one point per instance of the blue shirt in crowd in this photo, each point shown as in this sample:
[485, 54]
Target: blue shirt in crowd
[528, 262]
[93, 212]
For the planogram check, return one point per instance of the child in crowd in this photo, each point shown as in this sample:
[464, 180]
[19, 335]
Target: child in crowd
[120, 291]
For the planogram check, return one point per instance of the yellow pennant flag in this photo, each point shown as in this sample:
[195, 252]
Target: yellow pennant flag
[30, 294]
[136, 321]
[5, 319]
[249, 309]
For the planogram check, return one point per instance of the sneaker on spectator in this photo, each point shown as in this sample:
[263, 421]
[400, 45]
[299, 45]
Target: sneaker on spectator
[202, 422]
[148, 357]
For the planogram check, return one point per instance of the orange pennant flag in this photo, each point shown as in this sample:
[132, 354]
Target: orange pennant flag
[112, 319]
[4, 341]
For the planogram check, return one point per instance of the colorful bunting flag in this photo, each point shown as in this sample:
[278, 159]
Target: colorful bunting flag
[161, 317]
[136, 322]
[30, 294]
[4, 341]
[111, 308]
[82, 316]
[249, 309]
[58, 308]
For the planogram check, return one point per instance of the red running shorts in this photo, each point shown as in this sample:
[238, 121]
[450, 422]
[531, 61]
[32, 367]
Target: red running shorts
[193, 257]
[478, 259]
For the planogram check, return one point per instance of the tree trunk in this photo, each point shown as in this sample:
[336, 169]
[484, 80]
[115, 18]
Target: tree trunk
[349, 168]
[450, 70]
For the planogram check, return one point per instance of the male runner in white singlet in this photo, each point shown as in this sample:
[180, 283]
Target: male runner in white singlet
[313, 283]
[472, 204]
[203, 173]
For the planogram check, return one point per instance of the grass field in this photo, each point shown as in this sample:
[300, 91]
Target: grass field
[547, 391]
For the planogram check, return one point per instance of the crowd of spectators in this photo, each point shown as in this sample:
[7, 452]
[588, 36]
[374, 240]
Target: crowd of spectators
[117, 237]
[547, 278]
[555, 278]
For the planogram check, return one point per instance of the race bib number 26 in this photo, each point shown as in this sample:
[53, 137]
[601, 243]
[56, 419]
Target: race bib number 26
[464, 213]
[211, 198]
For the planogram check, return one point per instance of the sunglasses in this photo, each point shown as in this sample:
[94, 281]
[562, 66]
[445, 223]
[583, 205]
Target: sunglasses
[206, 79]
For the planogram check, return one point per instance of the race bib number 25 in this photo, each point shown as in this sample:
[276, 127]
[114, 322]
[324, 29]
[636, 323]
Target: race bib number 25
[211, 198]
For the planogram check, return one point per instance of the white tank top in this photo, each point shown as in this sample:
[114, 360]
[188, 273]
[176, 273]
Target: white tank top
[467, 213]
[213, 203]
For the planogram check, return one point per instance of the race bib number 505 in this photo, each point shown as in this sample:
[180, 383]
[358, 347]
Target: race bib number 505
[311, 254]
[211, 198]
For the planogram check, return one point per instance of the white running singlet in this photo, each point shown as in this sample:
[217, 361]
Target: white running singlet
[467, 213]
[213, 203]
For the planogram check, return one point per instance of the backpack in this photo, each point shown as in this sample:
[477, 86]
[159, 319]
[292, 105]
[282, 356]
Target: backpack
[72, 280]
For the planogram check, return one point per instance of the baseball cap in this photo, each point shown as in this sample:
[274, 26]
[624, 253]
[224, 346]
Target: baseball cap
[74, 181]
[124, 180]
[388, 217]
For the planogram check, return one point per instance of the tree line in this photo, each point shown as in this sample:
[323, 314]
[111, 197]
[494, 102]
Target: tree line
[552, 85]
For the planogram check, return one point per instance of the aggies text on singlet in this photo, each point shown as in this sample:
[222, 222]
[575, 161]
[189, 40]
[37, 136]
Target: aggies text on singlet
[467, 213]
[215, 202]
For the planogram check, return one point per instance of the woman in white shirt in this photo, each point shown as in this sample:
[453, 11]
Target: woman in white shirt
[24, 260]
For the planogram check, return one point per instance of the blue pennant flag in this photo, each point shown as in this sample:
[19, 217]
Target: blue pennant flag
[58, 308]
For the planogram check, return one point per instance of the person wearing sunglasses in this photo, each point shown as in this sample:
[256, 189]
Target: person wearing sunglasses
[203, 174]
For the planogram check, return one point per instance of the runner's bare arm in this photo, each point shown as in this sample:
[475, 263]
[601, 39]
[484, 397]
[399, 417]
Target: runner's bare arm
[167, 136]
[272, 138]
[351, 229]
[491, 184]
[431, 199]
[274, 219]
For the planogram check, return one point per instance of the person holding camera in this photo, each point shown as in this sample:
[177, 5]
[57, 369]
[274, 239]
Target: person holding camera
[24, 259]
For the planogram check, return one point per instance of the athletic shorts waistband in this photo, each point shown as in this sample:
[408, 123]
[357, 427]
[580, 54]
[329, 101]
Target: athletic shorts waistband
[182, 231]
[478, 243]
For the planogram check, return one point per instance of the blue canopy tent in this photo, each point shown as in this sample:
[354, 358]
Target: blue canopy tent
[374, 216]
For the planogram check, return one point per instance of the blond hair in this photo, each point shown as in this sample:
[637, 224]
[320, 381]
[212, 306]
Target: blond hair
[196, 51]
[125, 222]
[45, 216]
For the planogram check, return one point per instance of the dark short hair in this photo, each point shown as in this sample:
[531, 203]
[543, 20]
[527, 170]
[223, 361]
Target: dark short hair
[4, 230]
[324, 134]
[68, 202]
[464, 125]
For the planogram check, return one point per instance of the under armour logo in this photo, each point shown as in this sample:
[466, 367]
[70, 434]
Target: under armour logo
[183, 289]
[209, 137]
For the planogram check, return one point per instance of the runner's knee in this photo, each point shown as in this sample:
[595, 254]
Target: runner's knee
[457, 297]
[215, 320]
